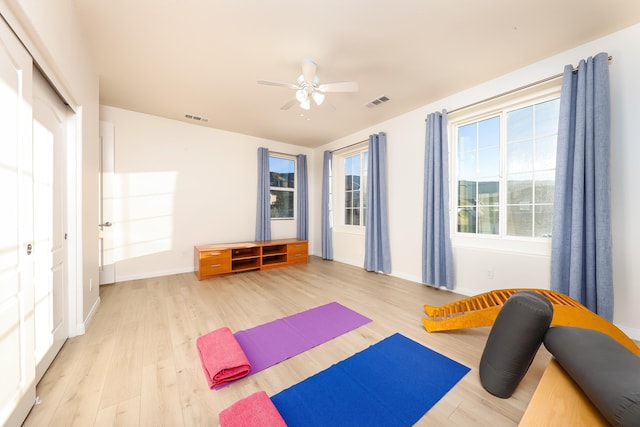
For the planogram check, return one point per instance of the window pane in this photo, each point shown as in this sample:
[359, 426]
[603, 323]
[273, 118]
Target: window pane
[519, 220]
[281, 204]
[348, 197]
[520, 189]
[547, 114]
[467, 137]
[489, 162]
[356, 182]
[520, 124]
[489, 192]
[356, 199]
[467, 166]
[489, 133]
[466, 193]
[520, 157]
[488, 220]
[356, 216]
[355, 165]
[543, 222]
[348, 166]
[545, 186]
[545, 153]
[281, 172]
[467, 220]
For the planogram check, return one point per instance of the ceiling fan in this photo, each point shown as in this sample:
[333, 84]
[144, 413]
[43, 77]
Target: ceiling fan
[308, 87]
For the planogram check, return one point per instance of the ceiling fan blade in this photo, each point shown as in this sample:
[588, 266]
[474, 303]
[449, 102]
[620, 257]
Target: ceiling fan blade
[309, 70]
[270, 83]
[339, 87]
[327, 106]
[289, 104]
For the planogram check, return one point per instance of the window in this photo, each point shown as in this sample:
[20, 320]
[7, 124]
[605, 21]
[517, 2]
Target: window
[506, 170]
[351, 186]
[282, 182]
[355, 184]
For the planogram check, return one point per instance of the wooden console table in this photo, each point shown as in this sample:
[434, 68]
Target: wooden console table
[214, 260]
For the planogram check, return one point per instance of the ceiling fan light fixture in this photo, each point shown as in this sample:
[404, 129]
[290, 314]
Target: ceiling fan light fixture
[308, 87]
[318, 97]
[301, 95]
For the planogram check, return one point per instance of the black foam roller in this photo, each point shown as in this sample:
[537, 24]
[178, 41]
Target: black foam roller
[513, 342]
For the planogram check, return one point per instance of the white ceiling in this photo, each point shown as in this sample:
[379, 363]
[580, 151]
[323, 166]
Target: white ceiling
[204, 57]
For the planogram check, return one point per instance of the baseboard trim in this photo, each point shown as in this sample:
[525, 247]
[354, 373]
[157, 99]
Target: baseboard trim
[81, 328]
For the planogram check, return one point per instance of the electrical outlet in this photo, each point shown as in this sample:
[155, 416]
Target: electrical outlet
[90, 285]
[490, 273]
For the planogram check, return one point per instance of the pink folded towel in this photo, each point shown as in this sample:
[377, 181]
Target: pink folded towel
[222, 357]
[256, 410]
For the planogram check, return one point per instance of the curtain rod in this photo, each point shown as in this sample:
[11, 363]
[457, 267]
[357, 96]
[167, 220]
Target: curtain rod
[281, 154]
[509, 92]
[348, 146]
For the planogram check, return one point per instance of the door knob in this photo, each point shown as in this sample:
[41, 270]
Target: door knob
[105, 224]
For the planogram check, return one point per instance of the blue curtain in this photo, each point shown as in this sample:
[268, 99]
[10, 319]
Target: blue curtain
[581, 240]
[302, 226]
[327, 238]
[437, 255]
[377, 255]
[263, 208]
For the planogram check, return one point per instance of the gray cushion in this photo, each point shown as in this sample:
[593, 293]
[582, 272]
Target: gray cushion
[513, 342]
[607, 372]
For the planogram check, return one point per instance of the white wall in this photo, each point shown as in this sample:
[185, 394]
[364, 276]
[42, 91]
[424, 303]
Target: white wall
[51, 32]
[180, 185]
[405, 139]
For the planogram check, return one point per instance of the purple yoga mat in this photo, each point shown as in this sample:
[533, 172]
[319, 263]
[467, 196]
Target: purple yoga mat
[273, 342]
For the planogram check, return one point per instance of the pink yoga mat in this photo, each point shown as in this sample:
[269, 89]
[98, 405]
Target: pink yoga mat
[273, 342]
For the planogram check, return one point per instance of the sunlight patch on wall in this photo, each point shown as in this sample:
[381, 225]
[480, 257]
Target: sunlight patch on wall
[143, 208]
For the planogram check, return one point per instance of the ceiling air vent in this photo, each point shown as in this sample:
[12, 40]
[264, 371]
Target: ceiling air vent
[376, 102]
[196, 118]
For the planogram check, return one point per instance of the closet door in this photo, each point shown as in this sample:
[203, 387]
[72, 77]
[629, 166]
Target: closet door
[17, 365]
[50, 117]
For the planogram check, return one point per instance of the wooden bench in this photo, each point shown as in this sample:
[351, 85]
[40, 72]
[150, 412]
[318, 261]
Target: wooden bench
[559, 401]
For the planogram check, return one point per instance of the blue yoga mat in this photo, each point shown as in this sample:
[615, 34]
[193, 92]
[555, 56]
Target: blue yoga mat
[392, 383]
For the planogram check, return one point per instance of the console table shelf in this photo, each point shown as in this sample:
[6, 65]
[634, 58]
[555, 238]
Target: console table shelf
[218, 259]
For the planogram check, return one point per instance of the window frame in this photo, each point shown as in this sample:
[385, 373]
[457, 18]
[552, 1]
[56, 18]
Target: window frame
[288, 189]
[338, 188]
[499, 106]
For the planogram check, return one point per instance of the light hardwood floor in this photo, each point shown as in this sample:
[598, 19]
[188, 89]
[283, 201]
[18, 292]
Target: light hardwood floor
[137, 365]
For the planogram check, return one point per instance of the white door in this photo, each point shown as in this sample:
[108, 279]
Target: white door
[106, 263]
[49, 215]
[17, 367]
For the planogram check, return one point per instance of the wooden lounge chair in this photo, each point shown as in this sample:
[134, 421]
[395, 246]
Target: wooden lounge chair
[481, 310]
